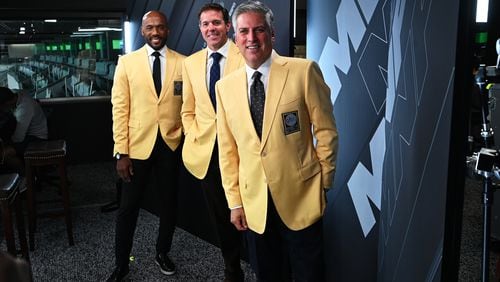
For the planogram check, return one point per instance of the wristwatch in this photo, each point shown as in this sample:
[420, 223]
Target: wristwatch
[119, 156]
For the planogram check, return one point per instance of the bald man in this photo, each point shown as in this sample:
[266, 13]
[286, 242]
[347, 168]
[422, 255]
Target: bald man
[147, 131]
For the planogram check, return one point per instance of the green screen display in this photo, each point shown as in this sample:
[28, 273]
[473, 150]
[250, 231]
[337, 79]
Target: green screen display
[481, 37]
[67, 47]
[98, 45]
[117, 44]
[87, 45]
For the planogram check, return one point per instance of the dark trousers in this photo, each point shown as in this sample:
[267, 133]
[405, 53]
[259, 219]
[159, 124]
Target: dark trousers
[162, 169]
[229, 237]
[280, 250]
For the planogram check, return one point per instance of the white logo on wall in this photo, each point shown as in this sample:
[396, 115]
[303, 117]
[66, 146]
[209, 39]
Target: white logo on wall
[363, 185]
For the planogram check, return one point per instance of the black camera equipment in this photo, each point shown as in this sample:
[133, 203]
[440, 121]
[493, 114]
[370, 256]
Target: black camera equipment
[486, 164]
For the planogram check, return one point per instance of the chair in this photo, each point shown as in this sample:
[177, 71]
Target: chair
[40, 154]
[9, 200]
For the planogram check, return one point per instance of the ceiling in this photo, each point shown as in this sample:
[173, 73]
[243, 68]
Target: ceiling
[37, 31]
[70, 15]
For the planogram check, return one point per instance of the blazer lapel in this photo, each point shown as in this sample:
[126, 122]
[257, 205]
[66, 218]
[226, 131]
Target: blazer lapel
[239, 98]
[146, 70]
[234, 59]
[201, 60]
[277, 79]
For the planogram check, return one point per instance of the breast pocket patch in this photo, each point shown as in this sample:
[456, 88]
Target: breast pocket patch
[291, 122]
[177, 88]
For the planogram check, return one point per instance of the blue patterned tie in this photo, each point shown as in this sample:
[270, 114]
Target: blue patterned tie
[157, 72]
[257, 100]
[214, 75]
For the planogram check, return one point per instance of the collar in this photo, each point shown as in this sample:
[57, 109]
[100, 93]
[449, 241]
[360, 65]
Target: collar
[162, 51]
[222, 50]
[264, 68]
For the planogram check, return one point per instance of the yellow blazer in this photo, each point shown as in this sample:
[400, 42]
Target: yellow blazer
[138, 112]
[198, 114]
[286, 160]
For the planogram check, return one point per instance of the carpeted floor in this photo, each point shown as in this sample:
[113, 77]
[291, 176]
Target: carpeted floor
[472, 228]
[92, 256]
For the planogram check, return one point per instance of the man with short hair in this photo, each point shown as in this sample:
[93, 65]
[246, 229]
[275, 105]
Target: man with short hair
[277, 148]
[147, 131]
[200, 72]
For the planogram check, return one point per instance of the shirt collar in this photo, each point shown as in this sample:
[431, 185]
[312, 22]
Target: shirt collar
[162, 51]
[264, 69]
[222, 50]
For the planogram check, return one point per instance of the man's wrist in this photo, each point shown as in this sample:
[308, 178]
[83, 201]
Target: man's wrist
[119, 156]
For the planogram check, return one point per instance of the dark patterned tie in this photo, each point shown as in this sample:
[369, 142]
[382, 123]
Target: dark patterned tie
[257, 99]
[157, 72]
[214, 75]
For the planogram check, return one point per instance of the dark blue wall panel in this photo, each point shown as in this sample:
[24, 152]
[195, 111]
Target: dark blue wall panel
[392, 89]
[183, 19]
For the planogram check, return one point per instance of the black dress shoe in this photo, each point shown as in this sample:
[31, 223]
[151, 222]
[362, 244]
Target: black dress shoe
[119, 274]
[167, 267]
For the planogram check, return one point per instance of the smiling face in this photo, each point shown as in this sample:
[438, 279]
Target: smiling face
[154, 29]
[254, 38]
[214, 29]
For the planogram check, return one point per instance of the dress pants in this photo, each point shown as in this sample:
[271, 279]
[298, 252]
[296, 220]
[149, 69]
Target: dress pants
[281, 252]
[161, 168]
[229, 237]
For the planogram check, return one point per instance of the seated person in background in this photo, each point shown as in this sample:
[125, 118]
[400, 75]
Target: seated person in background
[8, 158]
[31, 121]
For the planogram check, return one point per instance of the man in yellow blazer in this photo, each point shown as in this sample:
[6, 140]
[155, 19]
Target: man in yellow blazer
[200, 72]
[147, 132]
[273, 171]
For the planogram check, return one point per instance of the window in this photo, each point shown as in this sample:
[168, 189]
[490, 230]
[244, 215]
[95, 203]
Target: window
[60, 58]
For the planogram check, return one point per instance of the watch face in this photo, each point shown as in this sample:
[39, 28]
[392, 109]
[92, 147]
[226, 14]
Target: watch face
[117, 156]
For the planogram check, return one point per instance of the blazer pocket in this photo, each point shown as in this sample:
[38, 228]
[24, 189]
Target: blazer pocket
[134, 124]
[285, 100]
[309, 170]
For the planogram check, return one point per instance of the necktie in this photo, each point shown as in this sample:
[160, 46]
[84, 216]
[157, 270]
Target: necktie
[157, 72]
[214, 75]
[257, 99]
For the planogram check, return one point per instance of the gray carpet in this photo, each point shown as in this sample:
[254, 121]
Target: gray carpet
[91, 259]
[92, 256]
[471, 242]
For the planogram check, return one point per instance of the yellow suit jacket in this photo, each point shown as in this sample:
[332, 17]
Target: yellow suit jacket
[138, 112]
[286, 160]
[198, 113]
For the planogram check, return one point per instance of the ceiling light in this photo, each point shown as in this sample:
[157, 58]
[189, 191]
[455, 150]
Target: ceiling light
[482, 11]
[100, 29]
[50, 20]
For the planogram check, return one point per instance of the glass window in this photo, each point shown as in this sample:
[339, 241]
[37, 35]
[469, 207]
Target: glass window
[60, 58]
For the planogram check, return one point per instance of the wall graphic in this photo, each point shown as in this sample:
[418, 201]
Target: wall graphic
[390, 66]
[182, 15]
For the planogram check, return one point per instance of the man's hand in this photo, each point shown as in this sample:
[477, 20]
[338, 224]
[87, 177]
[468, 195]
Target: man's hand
[238, 219]
[124, 168]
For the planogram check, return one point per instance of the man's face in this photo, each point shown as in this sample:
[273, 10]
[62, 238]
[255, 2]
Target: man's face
[213, 29]
[254, 38]
[155, 30]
